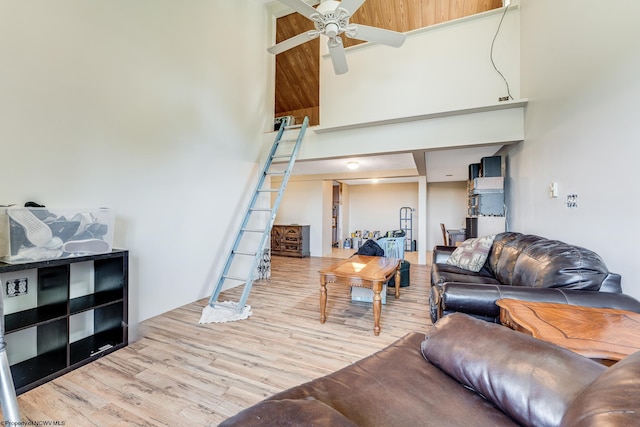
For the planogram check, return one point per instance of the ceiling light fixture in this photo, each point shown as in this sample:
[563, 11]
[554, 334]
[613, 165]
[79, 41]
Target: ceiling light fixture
[375, 180]
[353, 165]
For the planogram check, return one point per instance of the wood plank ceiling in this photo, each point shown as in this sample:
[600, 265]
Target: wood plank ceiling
[298, 70]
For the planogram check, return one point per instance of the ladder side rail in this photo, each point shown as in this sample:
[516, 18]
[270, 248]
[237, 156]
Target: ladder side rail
[285, 180]
[245, 220]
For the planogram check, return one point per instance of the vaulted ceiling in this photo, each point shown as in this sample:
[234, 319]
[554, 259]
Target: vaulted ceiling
[298, 88]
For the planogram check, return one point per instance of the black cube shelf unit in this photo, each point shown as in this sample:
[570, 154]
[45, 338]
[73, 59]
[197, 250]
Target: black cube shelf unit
[77, 312]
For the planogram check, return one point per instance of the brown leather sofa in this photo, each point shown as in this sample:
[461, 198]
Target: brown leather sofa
[465, 372]
[525, 267]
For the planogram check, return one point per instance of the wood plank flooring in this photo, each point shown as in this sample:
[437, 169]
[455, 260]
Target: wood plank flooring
[181, 373]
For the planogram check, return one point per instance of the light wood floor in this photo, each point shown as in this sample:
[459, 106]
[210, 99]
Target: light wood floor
[186, 374]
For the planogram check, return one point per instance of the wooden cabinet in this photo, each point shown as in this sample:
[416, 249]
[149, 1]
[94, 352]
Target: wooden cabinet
[62, 314]
[290, 240]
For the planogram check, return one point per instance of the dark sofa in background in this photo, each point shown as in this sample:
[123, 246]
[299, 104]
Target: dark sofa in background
[467, 372]
[524, 267]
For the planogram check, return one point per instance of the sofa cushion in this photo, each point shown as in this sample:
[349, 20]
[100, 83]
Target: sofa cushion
[611, 400]
[530, 380]
[472, 253]
[537, 262]
[289, 412]
[441, 273]
[499, 242]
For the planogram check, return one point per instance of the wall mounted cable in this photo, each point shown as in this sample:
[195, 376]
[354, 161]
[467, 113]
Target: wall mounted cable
[491, 54]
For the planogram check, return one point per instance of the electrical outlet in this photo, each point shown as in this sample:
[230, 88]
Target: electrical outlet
[17, 287]
[572, 200]
[503, 98]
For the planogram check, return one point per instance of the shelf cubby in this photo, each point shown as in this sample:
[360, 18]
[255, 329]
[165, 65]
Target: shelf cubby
[75, 312]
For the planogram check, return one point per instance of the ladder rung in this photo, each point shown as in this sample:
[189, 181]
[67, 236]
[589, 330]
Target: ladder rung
[260, 209]
[244, 253]
[239, 279]
[276, 173]
[225, 304]
[288, 140]
[293, 127]
[269, 190]
[282, 156]
[253, 230]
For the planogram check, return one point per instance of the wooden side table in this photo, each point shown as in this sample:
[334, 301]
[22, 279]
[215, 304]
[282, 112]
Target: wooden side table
[604, 334]
[364, 271]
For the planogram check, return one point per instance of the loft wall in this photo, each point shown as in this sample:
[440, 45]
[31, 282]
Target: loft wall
[444, 67]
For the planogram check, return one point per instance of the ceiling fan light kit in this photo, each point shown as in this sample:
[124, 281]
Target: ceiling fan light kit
[331, 19]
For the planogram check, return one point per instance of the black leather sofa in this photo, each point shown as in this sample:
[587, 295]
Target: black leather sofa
[466, 372]
[524, 267]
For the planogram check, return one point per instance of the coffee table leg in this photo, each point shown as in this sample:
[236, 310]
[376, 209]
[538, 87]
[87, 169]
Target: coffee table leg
[377, 308]
[323, 300]
[398, 282]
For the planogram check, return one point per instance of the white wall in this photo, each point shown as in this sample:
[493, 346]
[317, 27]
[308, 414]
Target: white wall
[580, 72]
[442, 67]
[376, 207]
[303, 203]
[145, 107]
[447, 204]
[365, 207]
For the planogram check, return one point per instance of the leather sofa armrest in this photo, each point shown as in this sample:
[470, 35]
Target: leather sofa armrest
[612, 283]
[480, 300]
[441, 254]
[531, 380]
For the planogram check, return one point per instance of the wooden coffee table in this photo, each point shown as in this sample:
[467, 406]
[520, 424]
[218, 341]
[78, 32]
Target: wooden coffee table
[363, 271]
[605, 334]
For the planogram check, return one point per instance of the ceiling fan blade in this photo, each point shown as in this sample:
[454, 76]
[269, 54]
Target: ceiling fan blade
[375, 35]
[293, 42]
[338, 57]
[300, 7]
[351, 5]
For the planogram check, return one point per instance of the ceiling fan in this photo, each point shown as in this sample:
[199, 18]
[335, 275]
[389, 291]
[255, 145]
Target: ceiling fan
[331, 18]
